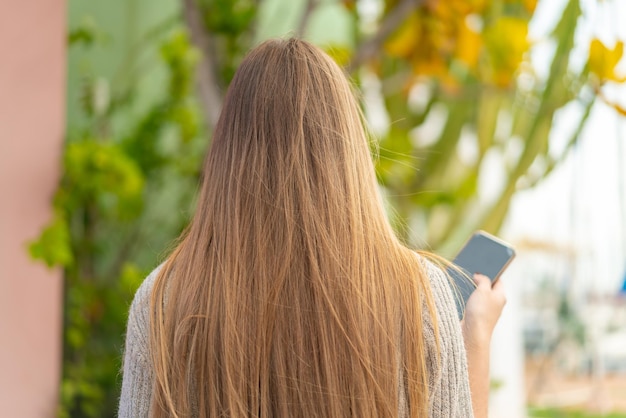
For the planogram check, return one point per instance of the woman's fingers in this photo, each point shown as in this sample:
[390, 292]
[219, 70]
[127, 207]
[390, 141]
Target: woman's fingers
[497, 285]
[482, 280]
[498, 291]
[483, 310]
[485, 283]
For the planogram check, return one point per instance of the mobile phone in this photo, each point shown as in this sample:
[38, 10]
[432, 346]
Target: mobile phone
[482, 253]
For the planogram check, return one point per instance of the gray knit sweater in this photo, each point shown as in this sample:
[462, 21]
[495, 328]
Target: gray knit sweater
[449, 395]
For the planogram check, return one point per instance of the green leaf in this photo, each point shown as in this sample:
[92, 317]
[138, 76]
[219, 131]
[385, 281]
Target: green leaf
[96, 170]
[53, 246]
[85, 33]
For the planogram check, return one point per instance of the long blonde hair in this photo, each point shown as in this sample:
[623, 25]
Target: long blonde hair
[289, 294]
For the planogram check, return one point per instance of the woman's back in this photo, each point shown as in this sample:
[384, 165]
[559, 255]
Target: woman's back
[289, 294]
[448, 380]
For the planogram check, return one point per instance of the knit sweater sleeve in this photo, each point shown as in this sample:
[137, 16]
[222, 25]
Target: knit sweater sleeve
[449, 386]
[137, 379]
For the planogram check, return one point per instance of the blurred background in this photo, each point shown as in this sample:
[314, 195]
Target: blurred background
[502, 115]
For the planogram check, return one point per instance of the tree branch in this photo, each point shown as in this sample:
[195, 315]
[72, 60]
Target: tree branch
[306, 15]
[370, 47]
[208, 85]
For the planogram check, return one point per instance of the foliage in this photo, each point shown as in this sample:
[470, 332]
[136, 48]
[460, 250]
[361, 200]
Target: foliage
[467, 63]
[602, 60]
[231, 24]
[602, 63]
[103, 206]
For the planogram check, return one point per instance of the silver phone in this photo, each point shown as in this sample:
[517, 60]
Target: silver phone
[482, 253]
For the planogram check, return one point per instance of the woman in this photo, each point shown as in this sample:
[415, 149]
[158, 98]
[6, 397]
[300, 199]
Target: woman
[289, 295]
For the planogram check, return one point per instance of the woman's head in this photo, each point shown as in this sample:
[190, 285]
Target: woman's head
[290, 100]
[290, 139]
[289, 295]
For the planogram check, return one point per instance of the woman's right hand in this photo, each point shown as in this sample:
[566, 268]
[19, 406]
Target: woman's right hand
[482, 311]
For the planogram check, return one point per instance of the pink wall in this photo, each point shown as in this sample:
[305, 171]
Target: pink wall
[32, 106]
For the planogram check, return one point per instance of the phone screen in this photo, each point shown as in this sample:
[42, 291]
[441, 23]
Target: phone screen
[484, 254]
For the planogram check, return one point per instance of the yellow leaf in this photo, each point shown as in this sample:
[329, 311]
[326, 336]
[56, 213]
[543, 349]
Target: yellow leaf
[404, 42]
[477, 6]
[436, 68]
[530, 5]
[339, 53]
[619, 109]
[506, 42]
[602, 60]
[468, 46]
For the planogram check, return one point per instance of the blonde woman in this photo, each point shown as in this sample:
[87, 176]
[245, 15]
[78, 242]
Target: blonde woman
[289, 295]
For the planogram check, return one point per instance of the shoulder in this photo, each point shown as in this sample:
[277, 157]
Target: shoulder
[138, 316]
[444, 307]
[439, 284]
[144, 292]
[445, 310]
